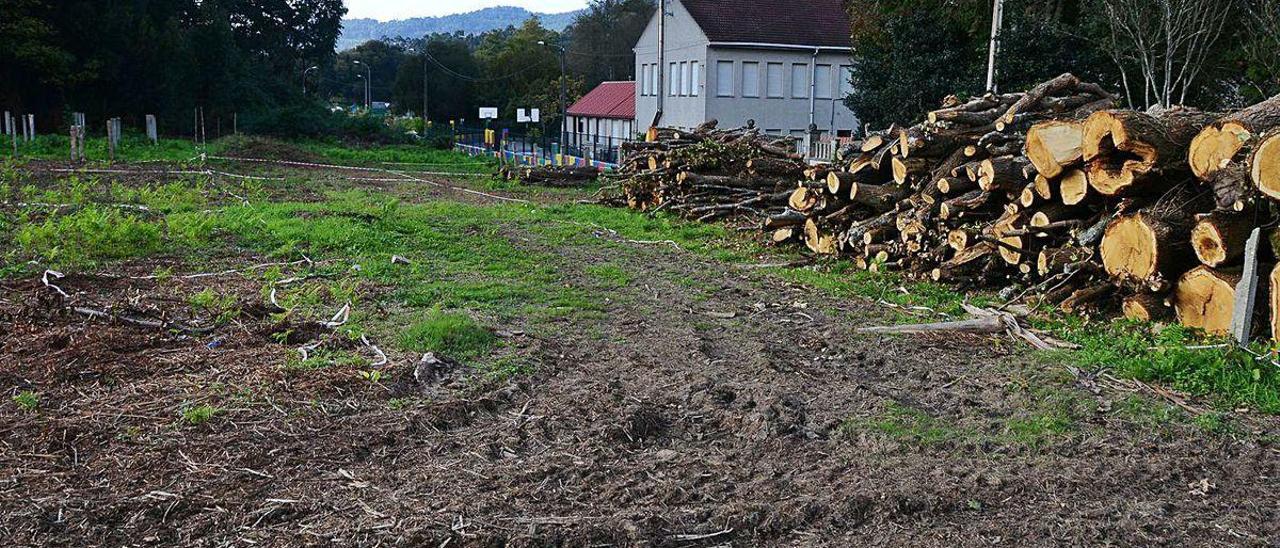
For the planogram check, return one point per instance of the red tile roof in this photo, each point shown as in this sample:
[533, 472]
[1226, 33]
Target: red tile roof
[790, 22]
[608, 100]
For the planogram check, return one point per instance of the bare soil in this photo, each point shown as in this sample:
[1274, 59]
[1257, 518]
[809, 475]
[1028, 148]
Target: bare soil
[710, 405]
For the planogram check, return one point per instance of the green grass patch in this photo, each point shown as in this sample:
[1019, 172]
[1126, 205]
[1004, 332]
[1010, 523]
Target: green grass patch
[27, 401]
[134, 147]
[609, 276]
[1228, 378]
[453, 334]
[199, 414]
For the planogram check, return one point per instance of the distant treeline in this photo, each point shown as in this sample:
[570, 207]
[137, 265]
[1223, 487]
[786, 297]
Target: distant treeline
[247, 61]
[162, 57]
[1213, 54]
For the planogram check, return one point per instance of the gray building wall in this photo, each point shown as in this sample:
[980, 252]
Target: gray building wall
[788, 114]
[686, 43]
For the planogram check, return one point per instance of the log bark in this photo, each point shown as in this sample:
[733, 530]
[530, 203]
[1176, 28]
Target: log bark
[1223, 141]
[1057, 259]
[876, 197]
[1145, 307]
[1134, 153]
[1001, 174]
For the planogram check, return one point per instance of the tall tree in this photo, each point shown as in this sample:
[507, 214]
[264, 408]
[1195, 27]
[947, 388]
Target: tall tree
[1165, 47]
[600, 41]
[450, 67]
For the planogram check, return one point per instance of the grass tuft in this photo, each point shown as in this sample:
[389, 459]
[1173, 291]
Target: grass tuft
[199, 414]
[453, 334]
[27, 401]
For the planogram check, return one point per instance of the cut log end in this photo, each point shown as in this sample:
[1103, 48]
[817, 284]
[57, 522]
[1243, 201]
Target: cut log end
[1205, 299]
[1214, 147]
[1265, 169]
[1132, 246]
[1145, 308]
[1219, 238]
[1054, 146]
[1074, 187]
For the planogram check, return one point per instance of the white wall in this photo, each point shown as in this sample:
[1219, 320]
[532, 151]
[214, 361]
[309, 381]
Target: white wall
[686, 43]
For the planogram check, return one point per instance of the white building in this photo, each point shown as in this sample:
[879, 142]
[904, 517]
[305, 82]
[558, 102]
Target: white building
[782, 63]
[601, 121]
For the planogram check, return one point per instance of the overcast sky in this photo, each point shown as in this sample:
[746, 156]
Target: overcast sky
[385, 10]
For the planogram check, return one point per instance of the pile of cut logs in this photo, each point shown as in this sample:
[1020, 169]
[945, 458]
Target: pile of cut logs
[708, 174]
[1053, 194]
[561, 176]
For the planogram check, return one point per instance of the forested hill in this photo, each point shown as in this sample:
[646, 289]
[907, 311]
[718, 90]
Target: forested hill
[358, 31]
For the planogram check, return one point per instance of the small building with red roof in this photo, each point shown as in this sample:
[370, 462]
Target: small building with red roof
[602, 120]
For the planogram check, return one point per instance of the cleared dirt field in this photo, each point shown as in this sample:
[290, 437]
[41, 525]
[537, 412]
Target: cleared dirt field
[596, 378]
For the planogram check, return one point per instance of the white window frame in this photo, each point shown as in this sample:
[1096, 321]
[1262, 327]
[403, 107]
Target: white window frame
[751, 86]
[782, 80]
[675, 79]
[684, 78]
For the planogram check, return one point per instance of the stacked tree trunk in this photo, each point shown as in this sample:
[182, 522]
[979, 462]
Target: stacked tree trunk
[1232, 158]
[1051, 193]
[708, 174]
[555, 176]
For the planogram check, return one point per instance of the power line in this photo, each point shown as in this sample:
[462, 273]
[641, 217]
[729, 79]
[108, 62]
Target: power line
[461, 76]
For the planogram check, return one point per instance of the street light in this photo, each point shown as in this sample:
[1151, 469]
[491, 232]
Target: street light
[564, 117]
[304, 79]
[368, 78]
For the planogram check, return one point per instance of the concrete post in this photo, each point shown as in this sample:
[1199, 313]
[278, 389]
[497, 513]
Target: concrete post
[151, 129]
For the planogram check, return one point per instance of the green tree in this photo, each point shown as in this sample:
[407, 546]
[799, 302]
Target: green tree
[451, 70]
[600, 41]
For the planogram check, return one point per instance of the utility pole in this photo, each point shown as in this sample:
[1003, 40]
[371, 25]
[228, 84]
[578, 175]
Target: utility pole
[997, 20]
[662, 64]
[424, 91]
[368, 76]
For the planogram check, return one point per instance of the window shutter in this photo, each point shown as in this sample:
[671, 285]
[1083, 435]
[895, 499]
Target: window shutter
[773, 74]
[750, 79]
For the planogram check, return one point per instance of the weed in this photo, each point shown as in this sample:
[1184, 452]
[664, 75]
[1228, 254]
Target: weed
[27, 401]
[609, 276]
[508, 367]
[223, 308]
[199, 414]
[374, 376]
[453, 334]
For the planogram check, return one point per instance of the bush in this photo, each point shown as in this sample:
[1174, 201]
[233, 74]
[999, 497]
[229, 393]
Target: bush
[315, 121]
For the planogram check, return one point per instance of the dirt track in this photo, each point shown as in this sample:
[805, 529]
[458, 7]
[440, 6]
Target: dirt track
[709, 405]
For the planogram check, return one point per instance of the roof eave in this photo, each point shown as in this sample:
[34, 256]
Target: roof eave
[774, 46]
